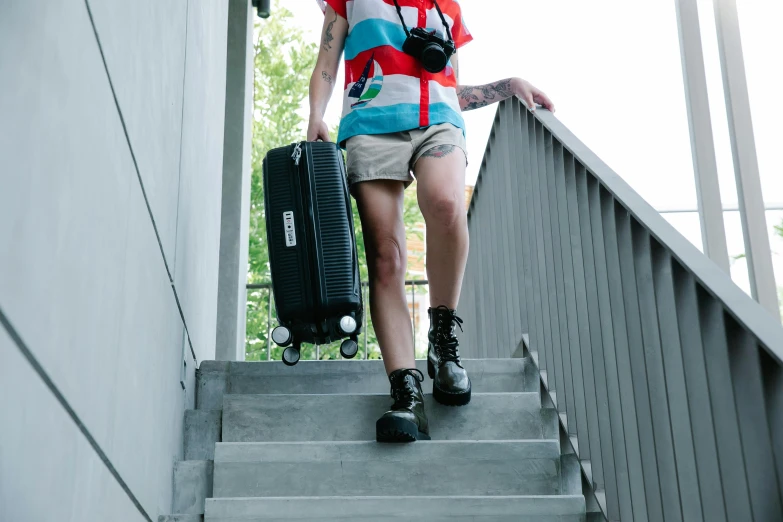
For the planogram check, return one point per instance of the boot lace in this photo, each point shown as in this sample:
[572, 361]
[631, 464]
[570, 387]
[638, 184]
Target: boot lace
[404, 395]
[446, 340]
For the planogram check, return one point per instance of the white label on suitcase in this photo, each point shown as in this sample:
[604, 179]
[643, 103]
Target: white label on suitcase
[288, 227]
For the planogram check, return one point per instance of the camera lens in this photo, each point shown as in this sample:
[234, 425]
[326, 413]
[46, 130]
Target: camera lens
[433, 58]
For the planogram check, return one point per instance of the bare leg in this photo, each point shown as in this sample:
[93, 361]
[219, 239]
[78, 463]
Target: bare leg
[380, 210]
[441, 195]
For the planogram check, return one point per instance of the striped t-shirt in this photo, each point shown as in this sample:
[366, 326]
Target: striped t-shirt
[387, 90]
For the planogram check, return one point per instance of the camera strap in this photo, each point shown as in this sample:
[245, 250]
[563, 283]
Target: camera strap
[440, 13]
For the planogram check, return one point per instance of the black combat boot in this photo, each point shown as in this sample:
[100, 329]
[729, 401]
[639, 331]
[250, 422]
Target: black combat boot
[406, 421]
[451, 384]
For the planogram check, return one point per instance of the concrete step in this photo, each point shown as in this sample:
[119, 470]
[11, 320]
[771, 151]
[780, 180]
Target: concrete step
[181, 518]
[310, 469]
[372, 509]
[295, 418]
[323, 377]
[193, 481]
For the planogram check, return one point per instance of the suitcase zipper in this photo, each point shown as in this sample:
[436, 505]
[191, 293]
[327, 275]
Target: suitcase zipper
[297, 154]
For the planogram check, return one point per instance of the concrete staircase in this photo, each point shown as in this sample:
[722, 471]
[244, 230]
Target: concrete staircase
[272, 443]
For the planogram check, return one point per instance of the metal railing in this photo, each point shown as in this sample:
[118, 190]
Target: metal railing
[267, 296]
[666, 376]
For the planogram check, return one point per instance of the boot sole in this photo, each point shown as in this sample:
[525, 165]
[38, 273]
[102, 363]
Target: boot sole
[444, 397]
[391, 429]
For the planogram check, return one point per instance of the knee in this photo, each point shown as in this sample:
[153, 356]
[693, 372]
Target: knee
[445, 211]
[387, 262]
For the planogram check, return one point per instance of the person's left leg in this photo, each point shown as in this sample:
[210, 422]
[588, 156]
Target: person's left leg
[440, 174]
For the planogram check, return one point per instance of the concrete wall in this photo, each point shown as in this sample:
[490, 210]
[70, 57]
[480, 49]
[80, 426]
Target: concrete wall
[109, 239]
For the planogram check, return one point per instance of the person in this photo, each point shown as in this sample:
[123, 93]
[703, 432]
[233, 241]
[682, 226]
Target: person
[402, 113]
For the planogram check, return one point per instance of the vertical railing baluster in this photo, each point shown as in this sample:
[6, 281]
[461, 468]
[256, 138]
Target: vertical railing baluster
[514, 238]
[523, 194]
[624, 430]
[569, 335]
[656, 380]
[592, 320]
[544, 257]
[753, 424]
[555, 264]
[604, 366]
[505, 231]
[537, 337]
[724, 408]
[772, 374]
[516, 181]
[481, 288]
[641, 394]
[497, 290]
[706, 451]
[679, 413]
[578, 313]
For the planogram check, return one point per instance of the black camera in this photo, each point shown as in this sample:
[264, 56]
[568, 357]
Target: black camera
[430, 49]
[427, 46]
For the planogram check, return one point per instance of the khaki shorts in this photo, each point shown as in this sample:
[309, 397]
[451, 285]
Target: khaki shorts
[392, 156]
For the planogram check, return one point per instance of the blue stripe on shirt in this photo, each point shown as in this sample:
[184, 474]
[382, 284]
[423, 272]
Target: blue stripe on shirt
[394, 118]
[372, 33]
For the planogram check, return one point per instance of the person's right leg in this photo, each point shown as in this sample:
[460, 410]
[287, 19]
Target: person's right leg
[380, 210]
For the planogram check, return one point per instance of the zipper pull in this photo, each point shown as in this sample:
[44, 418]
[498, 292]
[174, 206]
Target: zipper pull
[296, 156]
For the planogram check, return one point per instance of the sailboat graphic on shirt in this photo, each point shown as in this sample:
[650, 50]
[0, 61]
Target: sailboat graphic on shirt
[366, 93]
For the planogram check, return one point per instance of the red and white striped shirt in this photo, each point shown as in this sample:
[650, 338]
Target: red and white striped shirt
[387, 90]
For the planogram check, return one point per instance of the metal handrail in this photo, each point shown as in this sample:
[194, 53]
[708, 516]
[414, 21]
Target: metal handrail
[666, 376]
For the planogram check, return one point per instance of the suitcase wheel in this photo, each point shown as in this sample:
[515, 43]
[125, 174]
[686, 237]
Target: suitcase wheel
[291, 355]
[282, 336]
[349, 348]
[347, 325]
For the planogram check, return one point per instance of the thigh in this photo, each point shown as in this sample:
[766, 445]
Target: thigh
[380, 205]
[440, 178]
[440, 161]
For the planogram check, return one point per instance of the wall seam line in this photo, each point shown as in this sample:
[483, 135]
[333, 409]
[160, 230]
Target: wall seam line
[39, 369]
[181, 129]
[138, 175]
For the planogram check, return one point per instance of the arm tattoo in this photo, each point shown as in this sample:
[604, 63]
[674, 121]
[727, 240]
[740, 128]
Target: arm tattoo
[438, 151]
[327, 77]
[474, 97]
[328, 35]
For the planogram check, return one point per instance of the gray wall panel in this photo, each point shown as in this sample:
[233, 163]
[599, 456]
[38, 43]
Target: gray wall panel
[198, 232]
[54, 474]
[144, 45]
[83, 281]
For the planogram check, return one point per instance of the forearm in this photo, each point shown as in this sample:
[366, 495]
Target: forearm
[321, 88]
[325, 73]
[477, 96]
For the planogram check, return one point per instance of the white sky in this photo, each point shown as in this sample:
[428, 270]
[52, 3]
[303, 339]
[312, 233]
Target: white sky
[613, 69]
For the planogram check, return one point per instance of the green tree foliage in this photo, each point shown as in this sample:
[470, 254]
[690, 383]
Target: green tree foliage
[283, 63]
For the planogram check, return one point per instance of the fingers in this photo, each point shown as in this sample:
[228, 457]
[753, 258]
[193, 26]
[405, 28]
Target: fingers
[531, 104]
[544, 101]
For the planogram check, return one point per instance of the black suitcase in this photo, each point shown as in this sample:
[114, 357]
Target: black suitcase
[312, 248]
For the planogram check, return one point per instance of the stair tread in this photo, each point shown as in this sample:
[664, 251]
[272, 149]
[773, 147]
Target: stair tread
[505, 508]
[290, 418]
[306, 451]
[367, 468]
[500, 375]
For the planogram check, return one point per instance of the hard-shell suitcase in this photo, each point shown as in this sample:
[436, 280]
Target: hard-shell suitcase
[312, 248]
